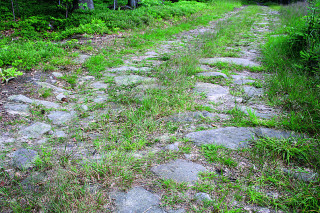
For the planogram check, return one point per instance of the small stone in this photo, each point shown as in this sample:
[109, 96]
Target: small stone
[81, 59]
[100, 85]
[84, 107]
[173, 147]
[86, 78]
[57, 74]
[187, 117]
[34, 181]
[36, 130]
[179, 170]
[202, 197]
[61, 117]
[61, 97]
[100, 99]
[246, 110]
[24, 158]
[176, 211]
[243, 81]
[59, 134]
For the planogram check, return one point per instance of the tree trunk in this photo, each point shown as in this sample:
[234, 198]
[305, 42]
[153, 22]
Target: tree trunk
[83, 4]
[115, 4]
[132, 3]
[14, 16]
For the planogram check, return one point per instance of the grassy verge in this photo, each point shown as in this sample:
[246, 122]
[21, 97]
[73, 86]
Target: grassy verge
[288, 56]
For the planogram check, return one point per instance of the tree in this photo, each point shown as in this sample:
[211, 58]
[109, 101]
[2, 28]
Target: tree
[83, 4]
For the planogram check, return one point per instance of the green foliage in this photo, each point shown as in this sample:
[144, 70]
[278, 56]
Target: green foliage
[6, 74]
[148, 3]
[215, 153]
[28, 54]
[301, 151]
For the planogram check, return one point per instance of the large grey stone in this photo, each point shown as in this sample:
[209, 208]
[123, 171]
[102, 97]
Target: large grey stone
[235, 137]
[179, 170]
[212, 91]
[61, 117]
[17, 109]
[137, 200]
[238, 61]
[125, 80]
[212, 74]
[24, 158]
[35, 130]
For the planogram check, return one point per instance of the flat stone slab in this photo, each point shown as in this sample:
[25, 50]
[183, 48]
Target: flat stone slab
[81, 58]
[59, 134]
[17, 109]
[35, 130]
[100, 98]
[129, 68]
[55, 89]
[126, 80]
[186, 117]
[252, 92]
[24, 99]
[179, 170]
[137, 200]
[24, 158]
[235, 137]
[57, 74]
[60, 117]
[212, 91]
[99, 85]
[304, 176]
[237, 61]
[246, 110]
[243, 81]
[212, 74]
